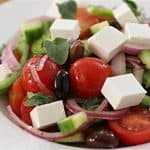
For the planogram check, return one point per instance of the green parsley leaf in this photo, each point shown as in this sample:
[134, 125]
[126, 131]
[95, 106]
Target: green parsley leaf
[68, 9]
[57, 50]
[91, 104]
[37, 99]
[133, 7]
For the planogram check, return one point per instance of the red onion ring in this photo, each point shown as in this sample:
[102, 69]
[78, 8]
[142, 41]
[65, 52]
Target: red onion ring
[133, 59]
[118, 64]
[73, 107]
[40, 84]
[131, 49]
[8, 55]
[40, 65]
[52, 136]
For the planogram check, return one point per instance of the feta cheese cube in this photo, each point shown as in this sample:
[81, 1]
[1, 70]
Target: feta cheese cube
[107, 43]
[138, 34]
[123, 91]
[65, 28]
[45, 115]
[4, 71]
[124, 14]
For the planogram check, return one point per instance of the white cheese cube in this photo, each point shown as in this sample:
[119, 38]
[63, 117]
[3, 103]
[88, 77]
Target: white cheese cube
[138, 34]
[107, 43]
[124, 14]
[45, 115]
[65, 28]
[4, 71]
[123, 91]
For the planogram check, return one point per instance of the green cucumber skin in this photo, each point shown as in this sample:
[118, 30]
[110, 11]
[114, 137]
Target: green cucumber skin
[146, 101]
[100, 11]
[5, 84]
[145, 58]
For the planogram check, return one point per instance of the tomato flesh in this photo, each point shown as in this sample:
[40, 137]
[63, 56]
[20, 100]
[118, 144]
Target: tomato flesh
[86, 20]
[46, 75]
[16, 96]
[25, 112]
[87, 76]
[133, 128]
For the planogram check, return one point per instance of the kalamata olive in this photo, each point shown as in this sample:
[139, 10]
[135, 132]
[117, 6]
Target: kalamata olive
[61, 84]
[76, 51]
[102, 138]
[115, 24]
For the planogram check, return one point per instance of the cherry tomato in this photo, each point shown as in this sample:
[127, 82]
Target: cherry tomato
[87, 76]
[25, 112]
[133, 128]
[16, 96]
[46, 75]
[86, 20]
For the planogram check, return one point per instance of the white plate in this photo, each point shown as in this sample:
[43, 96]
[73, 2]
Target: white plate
[11, 15]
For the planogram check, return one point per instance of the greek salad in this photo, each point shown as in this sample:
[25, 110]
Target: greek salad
[83, 78]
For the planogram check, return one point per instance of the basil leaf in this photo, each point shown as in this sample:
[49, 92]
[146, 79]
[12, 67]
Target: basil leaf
[37, 99]
[68, 9]
[91, 104]
[57, 50]
[133, 7]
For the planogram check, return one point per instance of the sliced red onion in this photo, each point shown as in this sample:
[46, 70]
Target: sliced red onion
[40, 65]
[133, 59]
[8, 55]
[9, 59]
[52, 136]
[133, 50]
[40, 84]
[118, 64]
[73, 107]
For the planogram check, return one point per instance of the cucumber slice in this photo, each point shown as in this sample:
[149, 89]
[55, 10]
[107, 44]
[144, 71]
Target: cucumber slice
[87, 51]
[145, 58]
[73, 122]
[79, 137]
[97, 27]
[146, 101]
[7, 82]
[100, 11]
[146, 78]
[37, 46]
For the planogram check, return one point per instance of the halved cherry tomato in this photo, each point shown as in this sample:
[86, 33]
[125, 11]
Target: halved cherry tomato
[16, 96]
[25, 112]
[46, 75]
[86, 20]
[133, 128]
[87, 76]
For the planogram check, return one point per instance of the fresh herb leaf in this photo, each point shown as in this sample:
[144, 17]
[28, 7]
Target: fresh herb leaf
[91, 104]
[133, 7]
[57, 50]
[37, 99]
[68, 9]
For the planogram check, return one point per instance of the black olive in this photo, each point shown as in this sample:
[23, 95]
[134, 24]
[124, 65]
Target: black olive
[76, 51]
[115, 24]
[61, 84]
[102, 138]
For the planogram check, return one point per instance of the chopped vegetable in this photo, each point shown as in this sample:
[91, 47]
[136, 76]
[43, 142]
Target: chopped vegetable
[146, 101]
[68, 9]
[57, 46]
[146, 78]
[100, 11]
